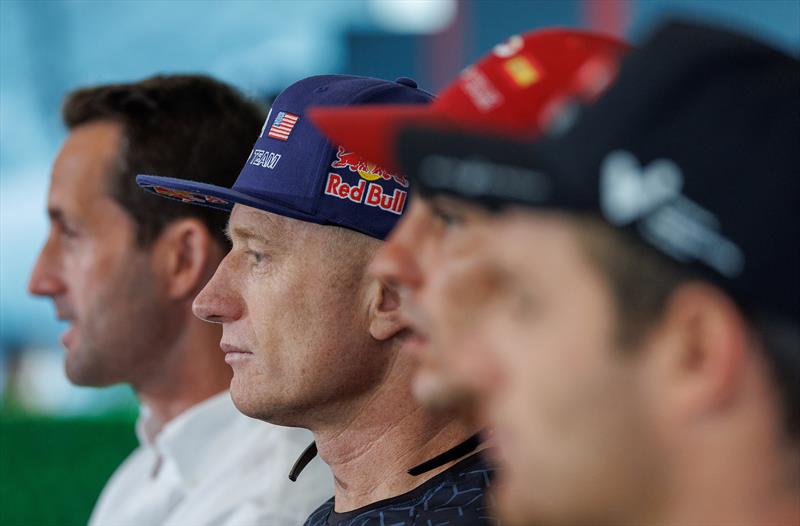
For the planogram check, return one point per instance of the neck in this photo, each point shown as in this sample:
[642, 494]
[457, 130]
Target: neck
[741, 470]
[370, 456]
[192, 371]
[734, 497]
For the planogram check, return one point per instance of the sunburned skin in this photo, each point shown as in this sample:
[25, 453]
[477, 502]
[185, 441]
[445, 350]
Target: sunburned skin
[313, 342]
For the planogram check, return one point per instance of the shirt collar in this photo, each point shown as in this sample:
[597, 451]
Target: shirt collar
[459, 450]
[186, 440]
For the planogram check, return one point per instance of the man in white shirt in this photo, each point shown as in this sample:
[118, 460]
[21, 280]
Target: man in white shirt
[123, 268]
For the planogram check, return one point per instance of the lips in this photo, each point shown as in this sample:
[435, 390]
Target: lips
[68, 338]
[416, 338]
[414, 343]
[65, 313]
[235, 354]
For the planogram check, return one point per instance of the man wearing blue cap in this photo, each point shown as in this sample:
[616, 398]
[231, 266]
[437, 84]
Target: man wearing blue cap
[313, 341]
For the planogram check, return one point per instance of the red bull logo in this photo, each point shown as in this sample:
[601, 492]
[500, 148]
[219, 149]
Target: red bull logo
[371, 195]
[365, 169]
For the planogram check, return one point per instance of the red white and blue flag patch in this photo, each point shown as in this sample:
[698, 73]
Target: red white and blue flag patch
[282, 126]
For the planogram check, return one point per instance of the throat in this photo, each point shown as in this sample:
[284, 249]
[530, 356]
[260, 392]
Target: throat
[388, 467]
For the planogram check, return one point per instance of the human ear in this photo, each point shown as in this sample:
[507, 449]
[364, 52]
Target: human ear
[707, 345]
[181, 255]
[385, 303]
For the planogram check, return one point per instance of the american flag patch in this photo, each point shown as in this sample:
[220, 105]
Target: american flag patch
[283, 125]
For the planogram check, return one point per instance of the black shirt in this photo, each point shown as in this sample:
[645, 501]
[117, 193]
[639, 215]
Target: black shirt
[455, 497]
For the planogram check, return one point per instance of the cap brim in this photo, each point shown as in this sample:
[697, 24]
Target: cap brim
[203, 194]
[371, 131]
[490, 170]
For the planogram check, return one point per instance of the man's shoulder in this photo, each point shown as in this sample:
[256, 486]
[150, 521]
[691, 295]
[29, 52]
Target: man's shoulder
[457, 496]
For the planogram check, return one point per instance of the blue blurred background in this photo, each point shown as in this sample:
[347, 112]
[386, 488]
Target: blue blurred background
[50, 47]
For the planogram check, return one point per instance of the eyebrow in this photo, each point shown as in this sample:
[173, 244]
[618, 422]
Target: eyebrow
[243, 234]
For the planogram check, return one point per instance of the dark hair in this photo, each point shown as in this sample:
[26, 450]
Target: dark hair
[183, 126]
[642, 280]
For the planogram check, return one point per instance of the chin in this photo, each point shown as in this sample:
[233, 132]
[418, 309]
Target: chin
[243, 402]
[79, 370]
[254, 406]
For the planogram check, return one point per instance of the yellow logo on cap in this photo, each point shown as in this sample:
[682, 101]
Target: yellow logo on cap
[522, 71]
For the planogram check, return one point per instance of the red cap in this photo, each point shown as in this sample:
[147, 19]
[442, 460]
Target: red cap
[511, 91]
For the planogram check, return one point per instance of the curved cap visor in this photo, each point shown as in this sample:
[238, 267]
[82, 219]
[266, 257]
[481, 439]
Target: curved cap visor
[511, 92]
[214, 196]
[494, 172]
[372, 131]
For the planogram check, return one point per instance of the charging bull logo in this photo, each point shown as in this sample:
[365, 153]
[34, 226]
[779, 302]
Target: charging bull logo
[365, 169]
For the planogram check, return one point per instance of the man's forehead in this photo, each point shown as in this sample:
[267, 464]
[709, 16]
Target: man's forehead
[532, 243]
[249, 222]
[247, 216]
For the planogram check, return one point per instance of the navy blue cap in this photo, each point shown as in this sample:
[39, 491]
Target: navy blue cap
[294, 171]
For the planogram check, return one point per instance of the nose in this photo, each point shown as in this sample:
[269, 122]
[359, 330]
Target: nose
[398, 260]
[45, 278]
[219, 302]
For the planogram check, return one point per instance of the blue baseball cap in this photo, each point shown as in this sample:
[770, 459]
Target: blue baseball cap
[294, 171]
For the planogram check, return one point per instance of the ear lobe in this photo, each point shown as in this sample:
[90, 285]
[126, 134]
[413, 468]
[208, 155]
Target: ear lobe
[185, 249]
[711, 347]
[385, 318]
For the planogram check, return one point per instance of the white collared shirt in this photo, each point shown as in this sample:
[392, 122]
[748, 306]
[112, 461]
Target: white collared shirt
[212, 465]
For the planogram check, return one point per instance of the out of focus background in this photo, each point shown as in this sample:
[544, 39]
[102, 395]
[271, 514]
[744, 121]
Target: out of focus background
[59, 443]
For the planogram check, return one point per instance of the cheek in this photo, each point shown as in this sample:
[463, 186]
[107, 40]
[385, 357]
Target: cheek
[458, 296]
[265, 319]
[292, 324]
[89, 268]
[551, 368]
[535, 370]
[472, 361]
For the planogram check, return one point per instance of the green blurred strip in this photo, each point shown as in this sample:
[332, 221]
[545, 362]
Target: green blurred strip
[52, 470]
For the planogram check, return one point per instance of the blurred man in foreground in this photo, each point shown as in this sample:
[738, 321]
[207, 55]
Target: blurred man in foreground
[124, 267]
[637, 330]
[511, 90]
[315, 342]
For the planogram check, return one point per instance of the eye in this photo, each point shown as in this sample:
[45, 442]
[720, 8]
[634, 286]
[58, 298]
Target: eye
[67, 231]
[448, 217]
[257, 258]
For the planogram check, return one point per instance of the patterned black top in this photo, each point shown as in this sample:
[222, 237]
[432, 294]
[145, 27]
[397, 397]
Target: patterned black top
[455, 497]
